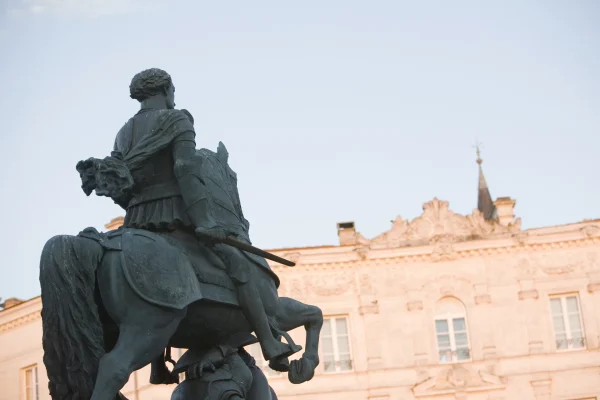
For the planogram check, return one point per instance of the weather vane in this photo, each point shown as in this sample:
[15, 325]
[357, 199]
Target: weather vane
[478, 145]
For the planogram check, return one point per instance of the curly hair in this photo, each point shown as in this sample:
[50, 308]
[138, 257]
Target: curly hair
[149, 83]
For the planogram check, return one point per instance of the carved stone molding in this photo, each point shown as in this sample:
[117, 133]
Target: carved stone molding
[366, 285]
[295, 288]
[528, 291]
[593, 288]
[443, 252]
[559, 270]
[591, 230]
[426, 256]
[528, 294]
[536, 347]
[458, 380]
[542, 388]
[525, 268]
[489, 352]
[362, 251]
[25, 319]
[439, 224]
[450, 285]
[483, 299]
[414, 305]
[371, 307]
[481, 294]
[329, 284]
[447, 290]
[521, 238]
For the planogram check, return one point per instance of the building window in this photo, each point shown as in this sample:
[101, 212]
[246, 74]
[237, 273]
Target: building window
[335, 345]
[451, 332]
[566, 318]
[256, 352]
[31, 383]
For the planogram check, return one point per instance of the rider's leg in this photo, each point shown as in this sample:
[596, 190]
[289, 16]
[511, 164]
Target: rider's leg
[249, 299]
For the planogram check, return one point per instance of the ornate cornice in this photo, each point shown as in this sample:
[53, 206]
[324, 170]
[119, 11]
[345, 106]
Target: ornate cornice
[433, 255]
[20, 321]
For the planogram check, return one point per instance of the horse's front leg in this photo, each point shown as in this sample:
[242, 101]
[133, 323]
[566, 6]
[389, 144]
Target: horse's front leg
[292, 314]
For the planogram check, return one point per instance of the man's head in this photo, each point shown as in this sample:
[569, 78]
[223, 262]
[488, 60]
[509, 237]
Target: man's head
[153, 82]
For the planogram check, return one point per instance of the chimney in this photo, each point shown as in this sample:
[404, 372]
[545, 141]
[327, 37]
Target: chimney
[115, 223]
[13, 301]
[347, 233]
[505, 209]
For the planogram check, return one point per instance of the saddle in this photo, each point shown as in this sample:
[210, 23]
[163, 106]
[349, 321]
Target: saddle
[168, 269]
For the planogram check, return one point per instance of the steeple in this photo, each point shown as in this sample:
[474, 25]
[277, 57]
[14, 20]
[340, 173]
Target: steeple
[484, 199]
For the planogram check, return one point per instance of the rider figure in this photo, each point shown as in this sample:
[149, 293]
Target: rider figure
[168, 194]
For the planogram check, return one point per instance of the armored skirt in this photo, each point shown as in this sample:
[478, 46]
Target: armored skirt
[166, 214]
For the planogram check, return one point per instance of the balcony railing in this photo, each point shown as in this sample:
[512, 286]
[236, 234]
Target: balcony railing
[337, 366]
[568, 344]
[453, 356]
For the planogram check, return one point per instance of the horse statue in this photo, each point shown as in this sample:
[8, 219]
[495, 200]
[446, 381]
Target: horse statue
[114, 301]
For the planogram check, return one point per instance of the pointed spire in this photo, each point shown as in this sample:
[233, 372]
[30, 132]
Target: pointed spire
[484, 199]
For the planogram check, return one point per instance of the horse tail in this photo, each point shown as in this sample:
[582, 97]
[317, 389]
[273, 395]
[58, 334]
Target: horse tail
[72, 338]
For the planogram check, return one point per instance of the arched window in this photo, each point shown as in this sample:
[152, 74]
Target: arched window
[451, 331]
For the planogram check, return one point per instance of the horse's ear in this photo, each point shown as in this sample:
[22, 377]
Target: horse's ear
[222, 153]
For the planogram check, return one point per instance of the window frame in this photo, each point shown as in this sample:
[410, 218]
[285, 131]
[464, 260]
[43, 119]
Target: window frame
[565, 316]
[334, 341]
[180, 352]
[449, 318]
[36, 382]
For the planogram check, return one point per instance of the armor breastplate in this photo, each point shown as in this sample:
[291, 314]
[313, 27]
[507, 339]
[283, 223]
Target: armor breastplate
[156, 180]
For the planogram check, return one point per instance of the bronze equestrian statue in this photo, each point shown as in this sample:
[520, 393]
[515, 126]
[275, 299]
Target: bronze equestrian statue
[181, 272]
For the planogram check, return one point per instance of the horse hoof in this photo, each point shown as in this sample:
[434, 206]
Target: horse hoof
[280, 364]
[301, 370]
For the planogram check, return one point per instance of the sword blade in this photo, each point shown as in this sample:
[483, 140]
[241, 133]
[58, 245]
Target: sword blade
[255, 250]
[250, 249]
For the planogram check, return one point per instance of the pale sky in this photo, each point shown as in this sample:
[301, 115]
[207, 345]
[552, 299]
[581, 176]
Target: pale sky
[331, 110]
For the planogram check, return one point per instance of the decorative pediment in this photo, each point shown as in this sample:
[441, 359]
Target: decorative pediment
[438, 224]
[457, 379]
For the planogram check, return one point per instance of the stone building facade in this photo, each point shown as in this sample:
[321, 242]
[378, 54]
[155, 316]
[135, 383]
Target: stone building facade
[443, 307]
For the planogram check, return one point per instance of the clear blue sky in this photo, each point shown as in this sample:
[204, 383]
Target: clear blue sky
[331, 110]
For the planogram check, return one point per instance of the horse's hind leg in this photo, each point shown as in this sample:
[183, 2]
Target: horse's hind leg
[140, 341]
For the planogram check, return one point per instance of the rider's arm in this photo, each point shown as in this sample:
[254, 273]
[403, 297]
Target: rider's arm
[184, 146]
